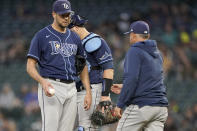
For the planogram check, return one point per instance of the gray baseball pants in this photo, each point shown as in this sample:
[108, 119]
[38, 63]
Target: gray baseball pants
[59, 111]
[84, 116]
[147, 118]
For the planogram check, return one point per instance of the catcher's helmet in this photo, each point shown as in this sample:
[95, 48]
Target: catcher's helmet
[77, 20]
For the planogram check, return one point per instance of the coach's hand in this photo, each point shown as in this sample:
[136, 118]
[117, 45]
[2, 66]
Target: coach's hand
[46, 85]
[118, 111]
[116, 88]
[88, 100]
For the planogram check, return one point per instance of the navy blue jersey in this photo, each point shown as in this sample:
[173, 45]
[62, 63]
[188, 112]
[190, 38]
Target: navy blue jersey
[55, 52]
[98, 53]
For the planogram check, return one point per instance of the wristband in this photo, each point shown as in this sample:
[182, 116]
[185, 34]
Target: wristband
[107, 83]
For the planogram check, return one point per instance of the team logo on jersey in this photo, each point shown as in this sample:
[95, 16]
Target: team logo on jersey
[105, 56]
[57, 46]
[64, 49]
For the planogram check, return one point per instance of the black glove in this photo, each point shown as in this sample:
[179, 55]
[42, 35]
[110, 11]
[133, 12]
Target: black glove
[80, 63]
[100, 118]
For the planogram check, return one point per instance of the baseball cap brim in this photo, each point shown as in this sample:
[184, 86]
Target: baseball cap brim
[64, 12]
[128, 32]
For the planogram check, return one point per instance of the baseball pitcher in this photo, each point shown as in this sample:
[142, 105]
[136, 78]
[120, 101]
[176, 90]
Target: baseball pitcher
[54, 49]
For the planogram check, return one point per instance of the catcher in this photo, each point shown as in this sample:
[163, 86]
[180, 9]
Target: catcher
[100, 59]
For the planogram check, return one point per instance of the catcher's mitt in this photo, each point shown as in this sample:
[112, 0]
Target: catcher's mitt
[100, 118]
[80, 63]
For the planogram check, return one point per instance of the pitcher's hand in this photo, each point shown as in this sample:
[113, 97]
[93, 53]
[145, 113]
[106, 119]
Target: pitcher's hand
[46, 85]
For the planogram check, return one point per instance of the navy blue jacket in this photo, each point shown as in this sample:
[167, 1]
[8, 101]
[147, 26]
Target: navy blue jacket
[143, 76]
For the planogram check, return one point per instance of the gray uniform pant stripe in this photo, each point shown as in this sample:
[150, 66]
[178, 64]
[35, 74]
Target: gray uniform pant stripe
[43, 110]
[127, 116]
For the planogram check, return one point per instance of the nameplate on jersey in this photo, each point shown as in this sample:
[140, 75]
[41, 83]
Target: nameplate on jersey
[92, 42]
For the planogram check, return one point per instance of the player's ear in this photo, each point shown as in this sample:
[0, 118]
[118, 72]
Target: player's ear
[53, 14]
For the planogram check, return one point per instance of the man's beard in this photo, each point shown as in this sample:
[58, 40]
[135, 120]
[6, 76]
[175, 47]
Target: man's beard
[61, 26]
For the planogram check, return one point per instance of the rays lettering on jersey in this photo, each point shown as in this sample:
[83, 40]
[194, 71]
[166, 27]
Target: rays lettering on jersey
[64, 49]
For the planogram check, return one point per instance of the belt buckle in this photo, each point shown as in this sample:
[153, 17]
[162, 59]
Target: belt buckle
[58, 80]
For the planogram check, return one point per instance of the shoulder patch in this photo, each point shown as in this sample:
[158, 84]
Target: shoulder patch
[93, 45]
[90, 36]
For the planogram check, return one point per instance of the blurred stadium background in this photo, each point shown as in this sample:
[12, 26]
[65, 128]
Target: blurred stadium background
[173, 24]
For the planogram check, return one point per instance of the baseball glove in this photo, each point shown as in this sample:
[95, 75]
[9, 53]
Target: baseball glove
[80, 63]
[100, 118]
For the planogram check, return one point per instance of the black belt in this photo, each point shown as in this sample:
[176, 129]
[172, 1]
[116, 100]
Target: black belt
[80, 88]
[61, 80]
[95, 68]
